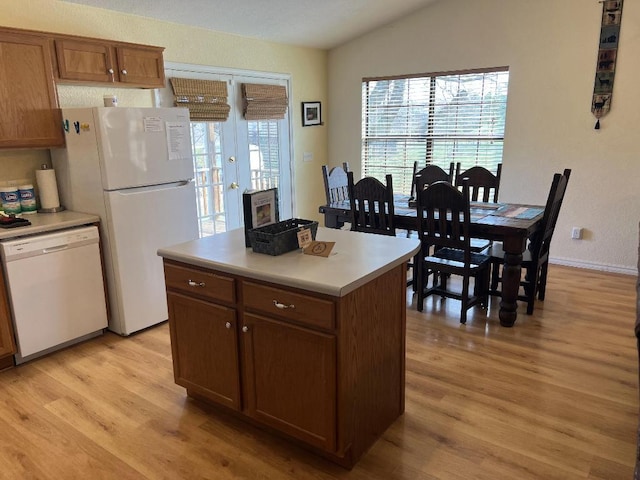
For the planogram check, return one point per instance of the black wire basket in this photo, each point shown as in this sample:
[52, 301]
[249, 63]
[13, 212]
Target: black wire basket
[280, 237]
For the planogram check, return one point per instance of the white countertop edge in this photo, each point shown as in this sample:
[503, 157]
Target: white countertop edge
[49, 222]
[356, 259]
[283, 280]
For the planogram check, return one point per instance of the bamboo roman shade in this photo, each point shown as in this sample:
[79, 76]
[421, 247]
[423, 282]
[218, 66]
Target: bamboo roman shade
[264, 102]
[205, 99]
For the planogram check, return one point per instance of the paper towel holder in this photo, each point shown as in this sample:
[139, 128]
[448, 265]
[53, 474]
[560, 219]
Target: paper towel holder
[53, 209]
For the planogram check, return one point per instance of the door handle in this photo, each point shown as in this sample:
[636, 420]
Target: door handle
[234, 186]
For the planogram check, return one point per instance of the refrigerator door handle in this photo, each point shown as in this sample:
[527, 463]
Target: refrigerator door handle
[162, 186]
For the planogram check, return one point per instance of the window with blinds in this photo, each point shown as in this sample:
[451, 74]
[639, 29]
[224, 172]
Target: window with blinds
[437, 118]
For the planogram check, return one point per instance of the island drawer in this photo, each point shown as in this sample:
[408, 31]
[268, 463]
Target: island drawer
[305, 309]
[198, 282]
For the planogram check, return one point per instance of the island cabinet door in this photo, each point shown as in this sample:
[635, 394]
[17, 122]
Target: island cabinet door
[290, 376]
[204, 344]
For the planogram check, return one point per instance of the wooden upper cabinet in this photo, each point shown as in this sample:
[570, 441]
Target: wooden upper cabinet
[31, 63]
[29, 113]
[140, 66]
[101, 61]
[84, 61]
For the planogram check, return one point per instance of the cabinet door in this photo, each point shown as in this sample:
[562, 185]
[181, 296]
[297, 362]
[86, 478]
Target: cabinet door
[204, 344]
[29, 114]
[291, 379]
[7, 346]
[84, 61]
[140, 66]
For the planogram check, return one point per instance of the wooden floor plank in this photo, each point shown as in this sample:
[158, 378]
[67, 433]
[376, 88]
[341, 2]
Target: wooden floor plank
[554, 398]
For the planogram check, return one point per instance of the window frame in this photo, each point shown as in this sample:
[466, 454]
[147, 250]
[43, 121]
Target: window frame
[427, 139]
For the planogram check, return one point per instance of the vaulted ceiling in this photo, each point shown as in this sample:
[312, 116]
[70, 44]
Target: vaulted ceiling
[310, 23]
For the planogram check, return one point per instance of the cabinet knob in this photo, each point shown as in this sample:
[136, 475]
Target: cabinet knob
[234, 186]
[245, 329]
[227, 325]
[282, 306]
[123, 71]
[195, 284]
[110, 71]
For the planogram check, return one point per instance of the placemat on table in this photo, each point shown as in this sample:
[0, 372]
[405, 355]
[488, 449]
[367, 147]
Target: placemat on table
[524, 213]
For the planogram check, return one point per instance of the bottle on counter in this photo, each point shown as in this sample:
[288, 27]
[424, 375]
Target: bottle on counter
[10, 199]
[27, 198]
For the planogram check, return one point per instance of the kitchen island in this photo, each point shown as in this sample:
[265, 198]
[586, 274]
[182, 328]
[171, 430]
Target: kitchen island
[305, 346]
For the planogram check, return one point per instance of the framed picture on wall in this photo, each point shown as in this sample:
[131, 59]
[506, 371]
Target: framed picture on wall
[311, 114]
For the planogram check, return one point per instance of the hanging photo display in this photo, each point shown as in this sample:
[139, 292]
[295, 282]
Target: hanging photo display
[607, 53]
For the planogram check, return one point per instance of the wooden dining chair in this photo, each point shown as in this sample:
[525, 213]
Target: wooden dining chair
[483, 184]
[422, 179]
[443, 227]
[371, 205]
[535, 260]
[431, 174]
[483, 187]
[335, 183]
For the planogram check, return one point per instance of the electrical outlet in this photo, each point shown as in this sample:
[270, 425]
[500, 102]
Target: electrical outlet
[576, 233]
[307, 157]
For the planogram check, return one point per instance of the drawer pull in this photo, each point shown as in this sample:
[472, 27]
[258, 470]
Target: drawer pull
[195, 284]
[227, 325]
[245, 329]
[282, 306]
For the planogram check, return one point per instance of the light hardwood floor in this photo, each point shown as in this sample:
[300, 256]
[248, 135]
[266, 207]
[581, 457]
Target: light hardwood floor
[555, 397]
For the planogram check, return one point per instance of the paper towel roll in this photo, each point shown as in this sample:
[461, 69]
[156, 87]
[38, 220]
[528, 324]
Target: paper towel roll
[47, 188]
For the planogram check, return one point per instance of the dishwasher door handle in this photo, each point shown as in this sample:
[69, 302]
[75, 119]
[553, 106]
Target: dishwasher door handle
[55, 249]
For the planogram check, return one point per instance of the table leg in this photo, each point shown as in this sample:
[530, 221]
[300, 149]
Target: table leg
[331, 221]
[512, 269]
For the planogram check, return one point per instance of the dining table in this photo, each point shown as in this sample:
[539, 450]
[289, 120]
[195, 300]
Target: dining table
[510, 223]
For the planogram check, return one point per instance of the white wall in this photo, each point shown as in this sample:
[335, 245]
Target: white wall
[306, 66]
[550, 47]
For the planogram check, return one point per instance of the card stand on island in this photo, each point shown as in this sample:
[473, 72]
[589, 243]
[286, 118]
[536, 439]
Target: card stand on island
[260, 208]
[280, 237]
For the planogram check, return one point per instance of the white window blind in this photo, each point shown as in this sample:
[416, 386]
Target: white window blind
[437, 118]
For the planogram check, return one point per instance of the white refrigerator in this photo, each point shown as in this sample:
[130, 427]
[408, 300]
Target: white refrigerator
[133, 168]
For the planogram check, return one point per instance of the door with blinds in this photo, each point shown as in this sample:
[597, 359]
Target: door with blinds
[240, 138]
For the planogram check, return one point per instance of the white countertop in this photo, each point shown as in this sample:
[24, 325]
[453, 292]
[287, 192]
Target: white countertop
[49, 222]
[356, 259]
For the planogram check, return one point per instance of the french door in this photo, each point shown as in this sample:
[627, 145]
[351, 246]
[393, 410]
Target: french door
[237, 155]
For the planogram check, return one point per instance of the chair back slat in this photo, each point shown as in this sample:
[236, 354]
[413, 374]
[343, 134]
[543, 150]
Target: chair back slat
[412, 195]
[371, 203]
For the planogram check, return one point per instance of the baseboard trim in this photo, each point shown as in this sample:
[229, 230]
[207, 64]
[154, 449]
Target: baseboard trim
[594, 266]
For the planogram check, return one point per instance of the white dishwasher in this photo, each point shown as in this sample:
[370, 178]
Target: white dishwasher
[55, 288]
